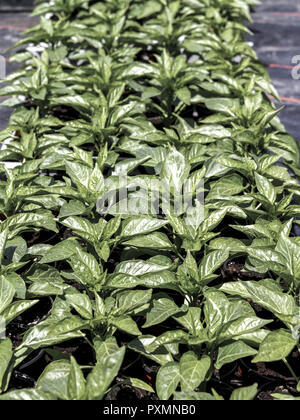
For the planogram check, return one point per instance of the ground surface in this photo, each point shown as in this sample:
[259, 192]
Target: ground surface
[12, 26]
[276, 27]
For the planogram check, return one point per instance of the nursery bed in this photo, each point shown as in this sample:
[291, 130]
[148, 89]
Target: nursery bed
[100, 302]
[276, 33]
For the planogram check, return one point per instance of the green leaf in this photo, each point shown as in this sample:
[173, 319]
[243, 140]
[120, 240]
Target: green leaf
[191, 320]
[99, 380]
[55, 379]
[6, 353]
[3, 239]
[193, 396]
[20, 222]
[224, 105]
[276, 346]
[227, 186]
[81, 303]
[82, 227]
[76, 383]
[245, 394]
[53, 332]
[162, 307]
[184, 94]
[126, 324]
[156, 240]
[128, 301]
[27, 395]
[212, 262]
[96, 181]
[62, 250]
[77, 102]
[214, 310]
[291, 253]
[7, 292]
[285, 397]
[267, 297]
[229, 353]
[193, 371]
[80, 174]
[17, 308]
[73, 208]
[137, 383]
[266, 188]
[143, 345]
[87, 269]
[175, 170]
[105, 348]
[141, 267]
[167, 380]
[242, 325]
[140, 226]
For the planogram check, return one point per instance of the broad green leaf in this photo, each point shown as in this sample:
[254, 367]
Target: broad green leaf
[80, 174]
[73, 208]
[175, 170]
[140, 226]
[99, 380]
[7, 292]
[86, 268]
[60, 251]
[242, 325]
[184, 94]
[142, 344]
[291, 253]
[169, 337]
[3, 239]
[105, 348]
[162, 307]
[191, 320]
[23, 221]
[245, 394]
[276, 346]
[81, 303]
[270, 299]
[266, 188]
[52, 333]
[193, 371]
[167, 380]
[27, 395]
[193, 396]
[76, 383]
[6, 353]
[212, 262]
[16, 308]
[229, 353]
[215, 310]
[225, 105]
[55, 379]
[285, 397]
[127, 324]
[137, 383]
[82, 227]
[141, 267]
[128, 301]
[156, 240]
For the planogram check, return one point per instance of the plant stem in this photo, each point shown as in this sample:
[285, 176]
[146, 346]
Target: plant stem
[291, 370]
